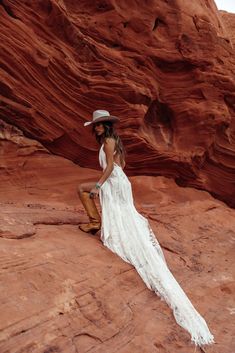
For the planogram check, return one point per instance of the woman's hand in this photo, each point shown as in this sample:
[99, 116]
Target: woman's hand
[94, 193]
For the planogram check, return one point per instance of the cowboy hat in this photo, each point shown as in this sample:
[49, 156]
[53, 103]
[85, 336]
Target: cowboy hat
[101, 115]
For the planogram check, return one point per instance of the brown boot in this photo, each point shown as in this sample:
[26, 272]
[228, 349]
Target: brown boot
[89, 204]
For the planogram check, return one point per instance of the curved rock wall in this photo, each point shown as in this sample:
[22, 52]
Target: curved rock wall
[166, 68]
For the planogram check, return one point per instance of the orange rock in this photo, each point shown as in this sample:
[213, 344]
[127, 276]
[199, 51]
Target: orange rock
[166, 68]
[229, 25]
[65, 292]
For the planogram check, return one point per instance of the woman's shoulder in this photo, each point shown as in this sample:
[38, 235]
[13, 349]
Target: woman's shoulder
[110, 141]
[109, 144]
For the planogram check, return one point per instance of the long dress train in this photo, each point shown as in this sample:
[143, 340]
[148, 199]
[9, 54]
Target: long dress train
[128, 234]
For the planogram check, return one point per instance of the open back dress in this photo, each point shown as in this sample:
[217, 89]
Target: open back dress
[128, 234]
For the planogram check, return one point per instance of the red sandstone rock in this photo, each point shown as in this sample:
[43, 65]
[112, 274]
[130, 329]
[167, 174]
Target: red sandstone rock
[63, 291]
[229, 25]
[166, 68]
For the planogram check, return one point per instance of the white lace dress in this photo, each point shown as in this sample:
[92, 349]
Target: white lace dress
[128, 234]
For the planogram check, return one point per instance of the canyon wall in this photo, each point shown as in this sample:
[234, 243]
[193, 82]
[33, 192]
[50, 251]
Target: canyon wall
[165, 68]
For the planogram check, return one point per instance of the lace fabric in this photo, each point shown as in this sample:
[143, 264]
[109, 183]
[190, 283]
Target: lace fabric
[128, 234]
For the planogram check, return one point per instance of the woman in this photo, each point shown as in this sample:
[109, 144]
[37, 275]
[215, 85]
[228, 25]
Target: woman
[127, 233]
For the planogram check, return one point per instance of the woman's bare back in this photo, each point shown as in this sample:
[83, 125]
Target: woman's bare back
[117, 159]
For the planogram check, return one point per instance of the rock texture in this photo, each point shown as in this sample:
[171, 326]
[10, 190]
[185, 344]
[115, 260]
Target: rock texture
[229, 25]
[62, 291]
[166, 68]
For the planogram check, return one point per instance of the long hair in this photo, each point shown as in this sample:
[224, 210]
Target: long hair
[109, 131]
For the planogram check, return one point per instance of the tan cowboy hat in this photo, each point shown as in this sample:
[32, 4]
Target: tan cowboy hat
[101, 115]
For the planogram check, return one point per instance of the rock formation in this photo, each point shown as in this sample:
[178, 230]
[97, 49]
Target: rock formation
[166, 68]
[63, 291]
[228, 20]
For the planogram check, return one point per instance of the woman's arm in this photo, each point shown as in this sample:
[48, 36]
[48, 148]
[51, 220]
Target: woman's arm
[109, 146]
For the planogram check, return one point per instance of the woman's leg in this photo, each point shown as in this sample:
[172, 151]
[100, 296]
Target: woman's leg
[86, 186]
[90, 207]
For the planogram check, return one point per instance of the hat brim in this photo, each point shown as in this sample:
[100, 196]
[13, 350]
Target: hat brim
[111, 118]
